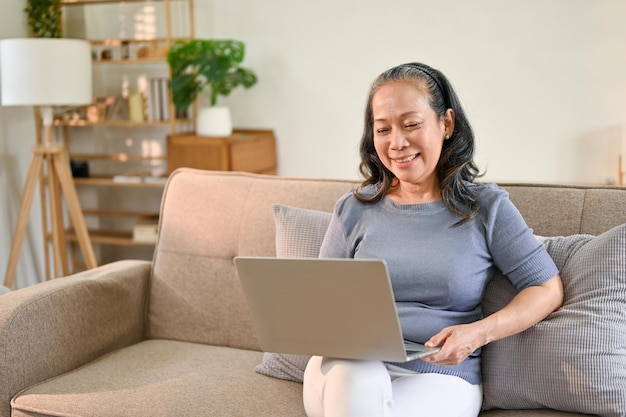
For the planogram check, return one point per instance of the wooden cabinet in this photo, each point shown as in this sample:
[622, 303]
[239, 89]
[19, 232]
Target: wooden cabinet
[246, 150]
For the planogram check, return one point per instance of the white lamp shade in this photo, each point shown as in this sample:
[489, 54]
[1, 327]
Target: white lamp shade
[45, 72]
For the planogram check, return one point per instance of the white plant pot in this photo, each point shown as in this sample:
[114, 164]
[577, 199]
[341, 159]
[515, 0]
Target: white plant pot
[214, 121]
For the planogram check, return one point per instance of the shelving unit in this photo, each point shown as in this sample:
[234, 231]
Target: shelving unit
[126, 158]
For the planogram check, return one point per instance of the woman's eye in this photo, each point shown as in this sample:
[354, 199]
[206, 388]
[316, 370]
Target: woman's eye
[411, 125]
[382, 131]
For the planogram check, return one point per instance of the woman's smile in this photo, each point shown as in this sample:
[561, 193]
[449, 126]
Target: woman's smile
[405, 161]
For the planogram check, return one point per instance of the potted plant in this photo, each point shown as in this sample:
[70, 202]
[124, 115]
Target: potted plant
[44, 18]
[210, 68]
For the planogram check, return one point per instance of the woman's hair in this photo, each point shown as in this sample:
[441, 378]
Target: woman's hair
[456, 165]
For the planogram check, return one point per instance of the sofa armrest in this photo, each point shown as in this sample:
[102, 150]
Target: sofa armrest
[56, 326]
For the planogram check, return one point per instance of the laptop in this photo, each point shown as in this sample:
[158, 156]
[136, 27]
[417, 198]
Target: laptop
[340, 308]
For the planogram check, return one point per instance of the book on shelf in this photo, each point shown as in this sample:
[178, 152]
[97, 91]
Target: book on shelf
[139, 178]
[165, 99]
[146, 229]
[129, 178]
[154, 101]
[154, 180]
[157, 98]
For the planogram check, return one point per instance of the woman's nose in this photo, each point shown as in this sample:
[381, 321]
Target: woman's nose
[398, 140]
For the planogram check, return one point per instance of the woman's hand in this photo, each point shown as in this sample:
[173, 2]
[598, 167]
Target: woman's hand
[527, 308]
[457, 343]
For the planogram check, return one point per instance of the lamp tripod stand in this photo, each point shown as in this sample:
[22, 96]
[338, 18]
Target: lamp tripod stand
[59, 181]
[48, 72]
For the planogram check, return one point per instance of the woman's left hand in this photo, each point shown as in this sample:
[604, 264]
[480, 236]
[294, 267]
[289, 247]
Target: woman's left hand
[528, 307]
[456, 342]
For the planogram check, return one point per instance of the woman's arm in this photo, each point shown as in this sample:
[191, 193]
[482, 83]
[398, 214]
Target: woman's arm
[527, 308]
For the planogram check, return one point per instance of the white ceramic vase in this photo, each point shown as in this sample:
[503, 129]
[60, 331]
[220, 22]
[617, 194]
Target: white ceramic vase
[214, 121]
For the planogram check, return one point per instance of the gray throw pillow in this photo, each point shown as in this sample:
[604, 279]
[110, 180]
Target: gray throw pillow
[299, 234]
[575, 359]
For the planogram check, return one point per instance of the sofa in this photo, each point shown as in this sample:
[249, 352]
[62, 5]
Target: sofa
[173, 337]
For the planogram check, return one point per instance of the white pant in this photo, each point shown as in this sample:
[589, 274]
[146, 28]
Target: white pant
[346, 388]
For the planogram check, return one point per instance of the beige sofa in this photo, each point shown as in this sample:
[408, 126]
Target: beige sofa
[174, 338]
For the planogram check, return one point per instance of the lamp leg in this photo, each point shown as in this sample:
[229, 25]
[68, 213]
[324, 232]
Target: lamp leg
[43, 181]
[43, 186]
[22, 218]
[59, 174]
[56, 219]
[61, 167]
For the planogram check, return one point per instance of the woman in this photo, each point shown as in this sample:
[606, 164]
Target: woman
[442, 236]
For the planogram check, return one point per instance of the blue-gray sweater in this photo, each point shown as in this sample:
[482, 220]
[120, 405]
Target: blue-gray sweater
[439, 271]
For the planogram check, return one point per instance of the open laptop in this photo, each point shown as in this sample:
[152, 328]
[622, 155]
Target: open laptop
[340, 308]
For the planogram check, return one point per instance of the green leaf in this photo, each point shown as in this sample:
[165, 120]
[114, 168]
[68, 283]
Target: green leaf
[207, 65]
[44, 18]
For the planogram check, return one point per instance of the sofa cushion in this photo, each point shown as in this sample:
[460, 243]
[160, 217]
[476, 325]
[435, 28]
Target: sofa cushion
[575, 360]
[299, 234]
[164, 378]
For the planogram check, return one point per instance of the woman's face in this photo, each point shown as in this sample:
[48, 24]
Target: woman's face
[408, 134]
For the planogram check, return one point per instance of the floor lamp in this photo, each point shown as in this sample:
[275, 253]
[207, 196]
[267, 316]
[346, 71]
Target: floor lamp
[48, 72]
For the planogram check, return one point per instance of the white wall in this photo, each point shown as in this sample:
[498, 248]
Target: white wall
[542, 82]
[17, 137]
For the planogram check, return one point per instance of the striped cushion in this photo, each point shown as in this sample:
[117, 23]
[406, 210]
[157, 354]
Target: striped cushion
[575, 360]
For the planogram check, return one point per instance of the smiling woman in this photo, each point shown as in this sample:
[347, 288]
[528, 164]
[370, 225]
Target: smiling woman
[420, 211]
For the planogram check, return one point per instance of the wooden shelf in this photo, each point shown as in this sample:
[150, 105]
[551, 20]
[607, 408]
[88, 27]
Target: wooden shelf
[79, 2]
[119, 41]
[108, 181]
[116, 123]
[109, 237]
[118, 157]
[148, 60]
[119, 213]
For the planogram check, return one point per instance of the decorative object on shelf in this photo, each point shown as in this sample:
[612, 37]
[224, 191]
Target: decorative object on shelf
[118, 109]
[136, 107]
[106, 54]
[125, 50]
[80, 169]
[48, 72]
[44, 18]
[210, 67]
